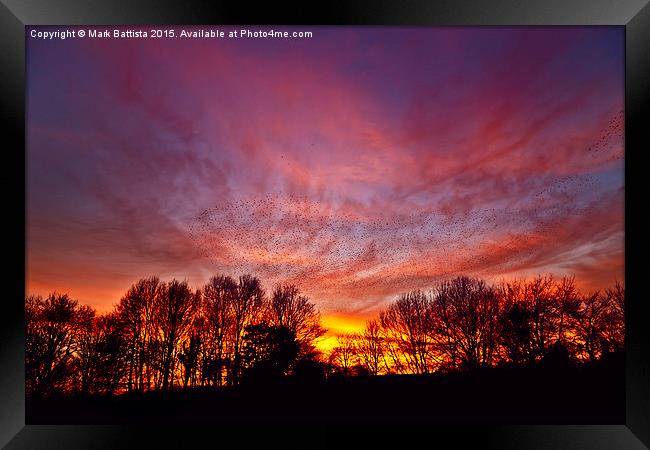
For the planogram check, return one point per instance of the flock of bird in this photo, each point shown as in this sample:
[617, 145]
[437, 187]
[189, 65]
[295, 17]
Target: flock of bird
[341, 248]
[614, 131]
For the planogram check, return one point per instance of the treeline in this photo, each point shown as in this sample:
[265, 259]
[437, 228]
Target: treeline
[165, 335]
[465, 324]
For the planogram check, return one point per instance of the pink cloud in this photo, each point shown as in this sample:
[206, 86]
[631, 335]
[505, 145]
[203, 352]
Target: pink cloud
[357, 165]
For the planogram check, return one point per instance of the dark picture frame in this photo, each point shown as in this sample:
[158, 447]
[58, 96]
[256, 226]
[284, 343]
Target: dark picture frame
[634, 15]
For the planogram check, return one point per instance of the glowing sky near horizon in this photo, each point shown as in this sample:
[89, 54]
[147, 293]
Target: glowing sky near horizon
[358, 164]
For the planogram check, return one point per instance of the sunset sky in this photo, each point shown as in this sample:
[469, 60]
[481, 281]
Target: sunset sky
[357, 164]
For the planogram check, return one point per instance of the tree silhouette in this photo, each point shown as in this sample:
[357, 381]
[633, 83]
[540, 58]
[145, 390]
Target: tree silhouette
[246, 307]
[407, 322]
[343, 356]
[370, 348]
[189, 358]
[536, 314]
[466, 312]
[614, 326]
[539, 296]
[52, 330]
[101, 355]
[135, 311]
[173, 316]
[591, 325]
[219, 297]
[566, 305]
[516, 337]
[287, 308]
[269, 350]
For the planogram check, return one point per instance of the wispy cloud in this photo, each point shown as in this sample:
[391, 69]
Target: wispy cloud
[357, 164]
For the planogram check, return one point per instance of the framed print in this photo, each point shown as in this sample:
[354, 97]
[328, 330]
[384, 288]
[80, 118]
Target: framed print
[361, 225]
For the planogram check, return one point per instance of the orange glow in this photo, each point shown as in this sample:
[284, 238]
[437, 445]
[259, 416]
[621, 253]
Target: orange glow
[337, 325]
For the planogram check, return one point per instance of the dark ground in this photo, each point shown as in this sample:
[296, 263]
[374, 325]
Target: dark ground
[588, 394]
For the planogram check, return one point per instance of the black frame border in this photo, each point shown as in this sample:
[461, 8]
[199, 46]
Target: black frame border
[634, 15]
